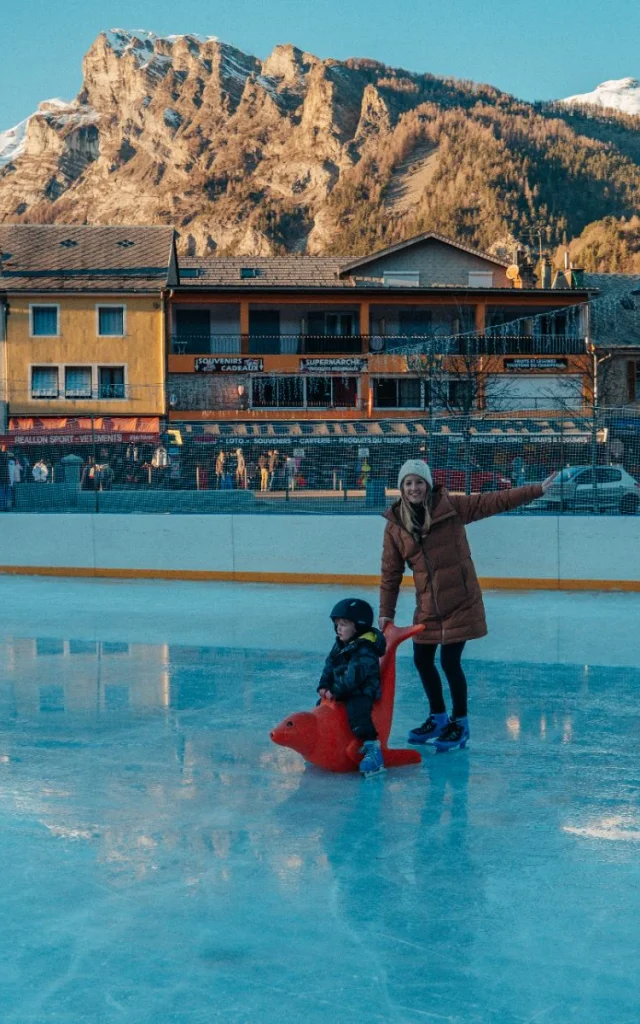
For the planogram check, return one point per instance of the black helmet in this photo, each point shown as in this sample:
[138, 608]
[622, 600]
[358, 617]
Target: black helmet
[357, 611]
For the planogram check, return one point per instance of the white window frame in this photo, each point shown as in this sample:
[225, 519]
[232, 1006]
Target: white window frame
[111, 305]
[44, 305]
[43, 398]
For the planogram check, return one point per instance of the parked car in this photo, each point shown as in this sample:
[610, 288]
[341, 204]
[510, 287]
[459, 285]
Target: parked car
[613, 490]
[454, 478]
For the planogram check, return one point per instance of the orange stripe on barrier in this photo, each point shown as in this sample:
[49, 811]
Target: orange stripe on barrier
[318, 579]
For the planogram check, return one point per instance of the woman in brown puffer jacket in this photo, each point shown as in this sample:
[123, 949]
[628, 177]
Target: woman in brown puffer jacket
[426, 530]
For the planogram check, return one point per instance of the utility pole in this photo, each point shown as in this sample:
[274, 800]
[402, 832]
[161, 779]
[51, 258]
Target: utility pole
[4, 372]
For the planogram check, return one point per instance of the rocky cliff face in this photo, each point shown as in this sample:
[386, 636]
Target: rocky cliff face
[295, 153]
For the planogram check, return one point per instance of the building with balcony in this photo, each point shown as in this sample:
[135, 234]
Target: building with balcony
[82, 328]
[420, 327]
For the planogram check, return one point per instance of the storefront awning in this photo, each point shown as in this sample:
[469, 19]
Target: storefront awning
[67, 430]
[511, 431]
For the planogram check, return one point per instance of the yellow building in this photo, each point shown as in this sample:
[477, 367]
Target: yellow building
[82, 327]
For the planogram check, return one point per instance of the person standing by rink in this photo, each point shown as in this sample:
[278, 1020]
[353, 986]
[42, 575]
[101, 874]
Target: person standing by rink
[426, 530]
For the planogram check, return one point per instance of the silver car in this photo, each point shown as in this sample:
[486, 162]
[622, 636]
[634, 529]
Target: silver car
[574, 489]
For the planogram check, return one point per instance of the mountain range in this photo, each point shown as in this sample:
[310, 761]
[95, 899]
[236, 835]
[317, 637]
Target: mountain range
[300, 154]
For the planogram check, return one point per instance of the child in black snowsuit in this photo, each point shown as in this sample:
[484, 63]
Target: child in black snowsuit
[351, 674]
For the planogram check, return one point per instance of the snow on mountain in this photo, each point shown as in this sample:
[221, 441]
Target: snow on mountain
[56, 112]
[140, 42]
[619, 94]
[13, 142]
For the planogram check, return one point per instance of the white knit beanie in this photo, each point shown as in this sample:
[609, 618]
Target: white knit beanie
[416, 467]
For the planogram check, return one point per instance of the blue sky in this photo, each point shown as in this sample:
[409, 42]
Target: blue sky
[541, 50]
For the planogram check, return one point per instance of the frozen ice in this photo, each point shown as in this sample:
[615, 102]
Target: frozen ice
[164, 863]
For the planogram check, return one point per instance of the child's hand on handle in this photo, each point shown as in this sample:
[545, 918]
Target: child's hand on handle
[549, 482]
[382, 621]
[326, 694]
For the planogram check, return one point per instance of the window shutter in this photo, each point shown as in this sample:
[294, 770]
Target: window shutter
[44, 321]
[78, 382]
[44, 382]
[632, 380]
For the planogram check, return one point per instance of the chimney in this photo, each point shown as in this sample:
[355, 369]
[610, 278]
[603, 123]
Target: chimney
[568, 272]
[545, 272]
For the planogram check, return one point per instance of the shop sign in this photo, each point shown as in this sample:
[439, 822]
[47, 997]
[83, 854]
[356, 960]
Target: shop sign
[227, 364]
[347, 365]
[517, 365]
[99, 437]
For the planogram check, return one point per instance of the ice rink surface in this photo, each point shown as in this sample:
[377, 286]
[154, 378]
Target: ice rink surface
[164, 863]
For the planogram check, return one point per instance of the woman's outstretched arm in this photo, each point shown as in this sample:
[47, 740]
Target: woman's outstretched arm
[471, 507]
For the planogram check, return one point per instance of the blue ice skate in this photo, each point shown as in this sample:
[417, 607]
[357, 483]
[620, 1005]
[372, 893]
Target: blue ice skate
[455, 734]
[429, 730]
[372, 763]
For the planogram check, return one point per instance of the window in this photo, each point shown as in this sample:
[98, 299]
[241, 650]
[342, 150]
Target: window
[278, 393]
[44, 382]
[332, 325]
[415, 323]
[461, 394]
[303, 392]
[247, 272]
[401, 278]
[319, 392]
[481, 279]
[331, 392]
[77, 382]
[111, 382]
[606, 475]
[345, 392]
[584, 479]
[397, 393]
[44, 321]
[111, 321]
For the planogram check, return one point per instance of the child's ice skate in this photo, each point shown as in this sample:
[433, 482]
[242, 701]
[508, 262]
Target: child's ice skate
[372, 763]
[429, 730]
[455, 734]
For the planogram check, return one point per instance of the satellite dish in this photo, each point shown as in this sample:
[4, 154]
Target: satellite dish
[513, 272]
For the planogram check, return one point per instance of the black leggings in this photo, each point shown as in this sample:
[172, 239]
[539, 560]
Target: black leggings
[424, 657]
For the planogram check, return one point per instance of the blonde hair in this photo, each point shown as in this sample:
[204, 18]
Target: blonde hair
[409, 518]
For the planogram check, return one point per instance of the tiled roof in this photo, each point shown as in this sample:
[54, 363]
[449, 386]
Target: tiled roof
[615, 313]
[72, 257]
[272, 271]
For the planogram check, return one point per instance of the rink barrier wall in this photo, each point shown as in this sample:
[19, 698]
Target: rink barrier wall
[510, 552]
